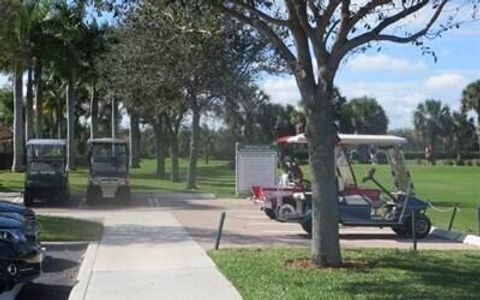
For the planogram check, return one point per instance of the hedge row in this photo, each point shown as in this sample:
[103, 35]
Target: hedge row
[421, 155]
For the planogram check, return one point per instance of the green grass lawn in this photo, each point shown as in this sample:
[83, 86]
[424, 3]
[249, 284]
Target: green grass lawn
[69, 229]
[216, 177]
[394, 274]
[443, 185]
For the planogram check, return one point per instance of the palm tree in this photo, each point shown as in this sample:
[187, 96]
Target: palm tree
[363, 115]
[68, 27]
[431, 120]
[471, 101]
[94, 44]
[462, 135]
[13, 40]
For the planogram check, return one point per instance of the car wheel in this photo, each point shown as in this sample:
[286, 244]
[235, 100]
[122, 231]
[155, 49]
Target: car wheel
[422, 226]
[307, 226]
[28, 197]
[123, 195]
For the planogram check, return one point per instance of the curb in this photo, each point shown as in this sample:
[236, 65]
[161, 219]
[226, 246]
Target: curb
[469, 239]
[79, 291]
[184, 196]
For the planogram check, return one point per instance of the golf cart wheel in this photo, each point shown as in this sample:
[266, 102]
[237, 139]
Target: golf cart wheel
[307, 226]
[422, 226]
[400, 230]
[63, 197]
[123, 195]
[28, 197]
[93, 195]
[270, 213]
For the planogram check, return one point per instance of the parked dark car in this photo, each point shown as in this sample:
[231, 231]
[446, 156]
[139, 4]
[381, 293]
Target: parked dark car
[21, 255]
[7, 207]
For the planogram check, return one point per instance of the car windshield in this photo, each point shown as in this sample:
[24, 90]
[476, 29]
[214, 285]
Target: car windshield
[46, 159]
[109, 159]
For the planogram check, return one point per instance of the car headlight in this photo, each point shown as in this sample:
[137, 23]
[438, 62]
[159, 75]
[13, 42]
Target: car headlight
[12, 235]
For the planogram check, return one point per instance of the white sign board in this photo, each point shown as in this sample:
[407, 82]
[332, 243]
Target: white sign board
[255, 166]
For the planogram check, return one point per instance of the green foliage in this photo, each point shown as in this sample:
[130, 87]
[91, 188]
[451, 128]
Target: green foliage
[6, 106]
[363, 116]
[393, 274]
[471, 97]
[432, 120]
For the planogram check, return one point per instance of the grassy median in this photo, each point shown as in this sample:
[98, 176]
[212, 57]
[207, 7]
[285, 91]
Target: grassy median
[69, 229]
[391, 274]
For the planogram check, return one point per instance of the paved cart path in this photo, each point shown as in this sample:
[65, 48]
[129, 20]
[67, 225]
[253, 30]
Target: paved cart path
[149, 255]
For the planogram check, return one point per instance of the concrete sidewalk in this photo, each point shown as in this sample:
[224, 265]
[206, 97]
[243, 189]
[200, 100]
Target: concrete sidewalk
[148, 255]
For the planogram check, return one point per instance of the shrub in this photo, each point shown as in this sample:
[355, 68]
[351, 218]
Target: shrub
[469, 163]
[448, 162]
[477, 162]
[460, 162]
[419, 161]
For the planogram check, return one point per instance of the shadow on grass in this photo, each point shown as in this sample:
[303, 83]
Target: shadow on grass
[425, 275]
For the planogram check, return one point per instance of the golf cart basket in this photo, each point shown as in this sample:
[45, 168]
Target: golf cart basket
[108, 157]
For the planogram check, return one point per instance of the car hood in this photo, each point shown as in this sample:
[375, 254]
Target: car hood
[6, 206]
[10, 223]
[12, 215]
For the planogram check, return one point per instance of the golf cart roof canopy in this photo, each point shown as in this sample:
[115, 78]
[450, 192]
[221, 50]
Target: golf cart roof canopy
[352, 139]
[49, 142]
[108, 141]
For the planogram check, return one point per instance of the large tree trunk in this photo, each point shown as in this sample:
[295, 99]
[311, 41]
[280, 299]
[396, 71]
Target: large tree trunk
[58, 120]
[38, 98]
[29, 104]
[478, 127]
[159, 148]
[115, 116]
[18, 129]
[323, 137]
[70, 91]
[93, 111]
[194, 139]
[134, 141]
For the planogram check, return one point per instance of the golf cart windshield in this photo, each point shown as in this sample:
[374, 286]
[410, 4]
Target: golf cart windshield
[109, 159]
[401, 176]
[46, 159]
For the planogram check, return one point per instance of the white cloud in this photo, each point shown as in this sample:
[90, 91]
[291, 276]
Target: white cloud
[382, 62]
[445, 81]
[282, 90]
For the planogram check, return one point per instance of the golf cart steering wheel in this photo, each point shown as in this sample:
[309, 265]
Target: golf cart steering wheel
[369, 174]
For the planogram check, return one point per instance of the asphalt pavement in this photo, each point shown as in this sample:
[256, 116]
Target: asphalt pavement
[60, 269]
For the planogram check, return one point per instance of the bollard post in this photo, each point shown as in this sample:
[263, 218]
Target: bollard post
[414, 233]
[219, 231]
[453, 217]
[478, 219]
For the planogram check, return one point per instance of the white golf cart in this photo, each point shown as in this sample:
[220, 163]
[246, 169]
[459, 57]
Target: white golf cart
[108, 166]
[357, 206]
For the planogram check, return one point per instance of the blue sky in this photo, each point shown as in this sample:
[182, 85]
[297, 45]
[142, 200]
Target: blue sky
[399, 77]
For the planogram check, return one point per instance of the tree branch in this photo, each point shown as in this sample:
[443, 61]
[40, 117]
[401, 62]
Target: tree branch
[262, 15]
[375, 34]
[268, 33]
